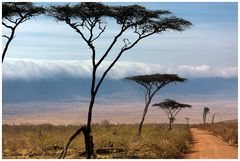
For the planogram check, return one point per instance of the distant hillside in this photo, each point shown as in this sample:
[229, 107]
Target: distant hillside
[54, 89]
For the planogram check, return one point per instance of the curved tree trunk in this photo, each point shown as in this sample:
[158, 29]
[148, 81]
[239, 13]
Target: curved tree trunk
[64, 152]
[143, 117]
[141, 123]
[8, 43]
[11, 36]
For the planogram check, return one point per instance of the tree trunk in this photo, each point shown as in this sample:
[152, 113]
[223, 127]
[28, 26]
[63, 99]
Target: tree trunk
[7, 44]
[143, 117]
[86, 129]
[89, 146]
[213, 118]
[64, 152]
[204, 119]
[141, 123]
[170, 124]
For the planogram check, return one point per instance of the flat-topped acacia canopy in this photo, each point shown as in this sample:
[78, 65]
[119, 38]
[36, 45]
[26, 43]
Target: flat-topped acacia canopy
[156, 79]
[24, 9]
[171, 104]
[135, 16]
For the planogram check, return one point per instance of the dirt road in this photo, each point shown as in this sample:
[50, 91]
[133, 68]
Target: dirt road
[207, 146]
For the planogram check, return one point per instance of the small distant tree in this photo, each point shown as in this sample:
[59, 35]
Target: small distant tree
[151, 84]
[171, 108]
[205, 113]
[187, 119]
[90, 20]
[15, 13]
[213, 117]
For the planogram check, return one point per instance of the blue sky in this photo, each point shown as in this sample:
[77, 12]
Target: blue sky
[212, 41]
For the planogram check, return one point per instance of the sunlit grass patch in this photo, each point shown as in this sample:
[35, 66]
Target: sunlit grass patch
[110, 141]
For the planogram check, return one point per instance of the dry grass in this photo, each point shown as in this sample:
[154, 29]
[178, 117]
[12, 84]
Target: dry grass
[228, 131]
[46, 141]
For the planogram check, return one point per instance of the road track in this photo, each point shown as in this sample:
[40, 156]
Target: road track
[207, 146]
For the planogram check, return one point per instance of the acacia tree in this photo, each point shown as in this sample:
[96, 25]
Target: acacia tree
[15, 13]
[205, 113]
[151, 84]
[90, 20]
[171, 108]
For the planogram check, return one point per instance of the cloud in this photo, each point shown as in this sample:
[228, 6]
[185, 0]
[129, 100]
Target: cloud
[45, 69]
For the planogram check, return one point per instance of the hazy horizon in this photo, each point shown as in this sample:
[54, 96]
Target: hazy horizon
[45, 92]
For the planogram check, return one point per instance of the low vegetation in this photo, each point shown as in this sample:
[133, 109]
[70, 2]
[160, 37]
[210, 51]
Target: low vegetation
[227, 130]
[111, 141]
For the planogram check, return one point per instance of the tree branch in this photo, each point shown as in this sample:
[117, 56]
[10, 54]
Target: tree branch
[73, 25]
[99, 34]
[7, 26]
[10, 20]
[177, 112]
[118, 56]
[111, 45]
[139, 38]
[92, 25]
[5, 36]
[166, 113]
[64, 152]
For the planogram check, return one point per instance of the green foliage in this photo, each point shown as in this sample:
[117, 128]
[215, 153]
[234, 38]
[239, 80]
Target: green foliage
[46, 141]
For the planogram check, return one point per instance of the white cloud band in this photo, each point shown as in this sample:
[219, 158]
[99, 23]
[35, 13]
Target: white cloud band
[35, 69]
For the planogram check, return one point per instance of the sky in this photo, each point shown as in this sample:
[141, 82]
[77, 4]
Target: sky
[211, 41]
[48, 67]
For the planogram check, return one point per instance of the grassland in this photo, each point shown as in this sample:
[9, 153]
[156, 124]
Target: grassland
[227, 130]
[111, 141]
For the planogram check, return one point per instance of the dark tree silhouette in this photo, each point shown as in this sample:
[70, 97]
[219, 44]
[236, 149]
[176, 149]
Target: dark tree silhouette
[151, 84]
[205, 113]
[213, 117]
[90, 20]
[15, 13]
[171, 108]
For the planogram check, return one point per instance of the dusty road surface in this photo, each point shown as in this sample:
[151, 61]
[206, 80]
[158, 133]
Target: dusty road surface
[207, 146]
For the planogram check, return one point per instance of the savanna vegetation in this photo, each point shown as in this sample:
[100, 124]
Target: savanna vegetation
[111, 141]
[90, 21]
[226, 130]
